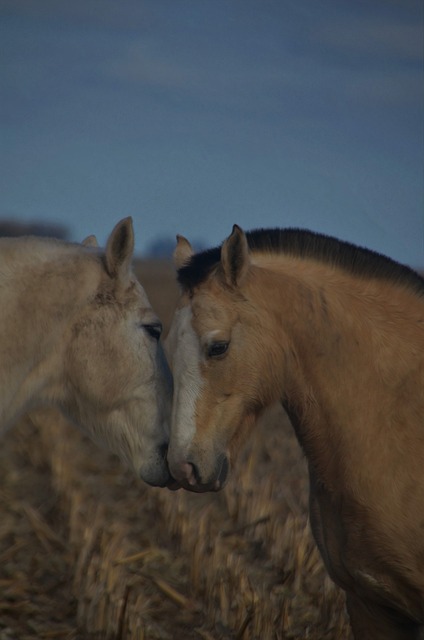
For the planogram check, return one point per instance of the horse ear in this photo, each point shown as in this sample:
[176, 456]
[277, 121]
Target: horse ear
[183, 252]
[120, 249]
[90, 241]
[235, 257]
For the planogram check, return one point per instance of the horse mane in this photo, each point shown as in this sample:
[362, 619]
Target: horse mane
[308, 245]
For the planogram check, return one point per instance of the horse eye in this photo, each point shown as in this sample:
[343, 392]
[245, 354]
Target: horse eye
[154, 330]
[217, 349]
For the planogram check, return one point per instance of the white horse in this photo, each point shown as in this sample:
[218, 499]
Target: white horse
[78, 334]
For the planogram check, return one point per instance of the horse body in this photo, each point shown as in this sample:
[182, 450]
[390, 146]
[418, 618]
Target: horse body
[79, 334]
[343, 350]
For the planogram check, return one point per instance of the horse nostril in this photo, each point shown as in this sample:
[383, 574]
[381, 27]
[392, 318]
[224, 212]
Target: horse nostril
[189, 473]
[163, 450]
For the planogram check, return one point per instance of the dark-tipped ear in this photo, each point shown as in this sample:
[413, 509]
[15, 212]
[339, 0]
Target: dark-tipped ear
[182, 253]
[120, 249]
[90, 241]
[235, 257]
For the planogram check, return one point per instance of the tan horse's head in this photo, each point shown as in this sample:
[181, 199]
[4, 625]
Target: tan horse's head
[216, 352]
[117, 386]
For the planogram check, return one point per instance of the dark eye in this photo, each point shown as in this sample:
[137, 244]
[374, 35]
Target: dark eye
[154, 330]
[217, 349]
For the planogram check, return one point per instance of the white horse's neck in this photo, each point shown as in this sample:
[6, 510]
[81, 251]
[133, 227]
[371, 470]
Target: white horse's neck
[41, 284]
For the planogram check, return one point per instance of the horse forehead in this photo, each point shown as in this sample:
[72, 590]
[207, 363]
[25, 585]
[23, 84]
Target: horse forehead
[183, 322]
[140, 293]
[134, 296]
[182, 338]
[187, 335]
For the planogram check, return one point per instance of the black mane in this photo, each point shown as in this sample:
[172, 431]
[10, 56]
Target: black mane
[307, 244]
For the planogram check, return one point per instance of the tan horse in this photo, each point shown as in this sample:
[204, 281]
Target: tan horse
[78, 333]
[336, 333]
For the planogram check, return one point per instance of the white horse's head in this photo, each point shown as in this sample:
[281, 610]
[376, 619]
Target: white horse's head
[116, 382]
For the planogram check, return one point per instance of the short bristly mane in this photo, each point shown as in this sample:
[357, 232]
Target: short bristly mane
[307, 244]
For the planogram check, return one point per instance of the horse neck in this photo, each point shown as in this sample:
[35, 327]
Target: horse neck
[39, 295]
[344, 344]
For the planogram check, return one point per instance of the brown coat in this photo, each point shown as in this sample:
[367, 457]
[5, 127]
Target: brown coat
[336, 333]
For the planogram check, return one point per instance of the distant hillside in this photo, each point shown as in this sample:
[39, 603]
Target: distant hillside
[12, 228]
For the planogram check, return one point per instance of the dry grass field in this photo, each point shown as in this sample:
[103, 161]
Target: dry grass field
[89, 551]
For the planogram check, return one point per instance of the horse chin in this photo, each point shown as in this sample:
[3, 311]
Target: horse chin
[173, 485]
[214, 486]
[157, 477]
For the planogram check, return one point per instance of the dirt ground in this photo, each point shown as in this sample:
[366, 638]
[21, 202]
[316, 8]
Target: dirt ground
[89, 551]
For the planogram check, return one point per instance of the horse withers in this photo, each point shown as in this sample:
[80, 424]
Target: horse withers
[78, 334]
[336, 334]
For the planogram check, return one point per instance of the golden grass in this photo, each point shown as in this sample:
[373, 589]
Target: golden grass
[88, 551]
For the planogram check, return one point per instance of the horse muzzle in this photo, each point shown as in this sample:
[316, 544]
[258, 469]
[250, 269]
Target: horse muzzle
[156, 472]
[189, 476]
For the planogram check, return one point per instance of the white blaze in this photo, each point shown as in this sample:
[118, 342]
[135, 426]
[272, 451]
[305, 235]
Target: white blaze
[185, 355]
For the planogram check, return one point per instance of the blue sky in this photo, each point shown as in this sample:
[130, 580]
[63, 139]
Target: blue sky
[192, 115]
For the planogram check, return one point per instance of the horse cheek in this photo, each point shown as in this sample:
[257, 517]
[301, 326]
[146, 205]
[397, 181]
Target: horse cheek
[89, 366]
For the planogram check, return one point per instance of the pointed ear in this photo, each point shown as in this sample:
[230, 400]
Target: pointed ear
[90, 241]
[235, 257]
[120, 249]
[182, 253]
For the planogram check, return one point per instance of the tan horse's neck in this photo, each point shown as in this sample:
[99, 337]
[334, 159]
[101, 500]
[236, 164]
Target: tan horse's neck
[354, 392]
[348, 342]
[43, 283]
